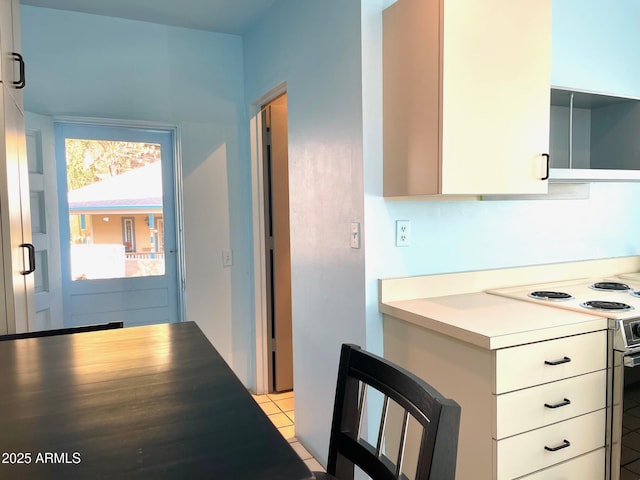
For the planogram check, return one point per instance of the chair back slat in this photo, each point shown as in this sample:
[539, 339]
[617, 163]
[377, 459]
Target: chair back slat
[383, 424]
[437, 416]
[403, 438]
[363, 399]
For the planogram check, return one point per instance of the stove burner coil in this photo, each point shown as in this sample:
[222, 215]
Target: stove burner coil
[550, 295]
[635, 293]
[611, 286]
[607, 305]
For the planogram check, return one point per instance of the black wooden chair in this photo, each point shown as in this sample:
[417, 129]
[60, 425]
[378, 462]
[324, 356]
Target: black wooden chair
[438, 417]
[62, 331]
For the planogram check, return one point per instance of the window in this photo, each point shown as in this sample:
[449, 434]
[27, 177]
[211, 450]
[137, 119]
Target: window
[128, 234]
[112, 187]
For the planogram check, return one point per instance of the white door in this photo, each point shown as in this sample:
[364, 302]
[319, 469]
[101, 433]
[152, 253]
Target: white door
[44, 221]
[277, 248]
[117, 224]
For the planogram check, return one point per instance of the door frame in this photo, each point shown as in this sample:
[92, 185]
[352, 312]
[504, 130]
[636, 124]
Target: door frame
[259, 246]
[174, 130]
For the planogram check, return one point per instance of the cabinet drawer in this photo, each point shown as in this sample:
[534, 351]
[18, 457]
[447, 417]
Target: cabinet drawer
[535, 407]
[584, 467]
[524, 366]
[526, 453]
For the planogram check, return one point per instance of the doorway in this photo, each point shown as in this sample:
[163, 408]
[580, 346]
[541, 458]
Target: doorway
[117, 224]
[276, 241]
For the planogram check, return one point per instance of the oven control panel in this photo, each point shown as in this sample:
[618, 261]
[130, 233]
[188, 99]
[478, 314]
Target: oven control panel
[631, 330]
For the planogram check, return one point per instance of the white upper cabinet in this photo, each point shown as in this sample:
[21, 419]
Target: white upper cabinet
[466, 97]
[12, 67]
[594, 137]
[17, 253]
[17, 250]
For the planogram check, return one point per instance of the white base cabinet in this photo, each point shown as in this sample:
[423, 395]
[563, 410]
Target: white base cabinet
[12, 64]
[541, 448]
[533, 411]
[584, 467]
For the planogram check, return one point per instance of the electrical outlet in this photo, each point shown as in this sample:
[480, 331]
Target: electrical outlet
[403, 233]
[227, 258]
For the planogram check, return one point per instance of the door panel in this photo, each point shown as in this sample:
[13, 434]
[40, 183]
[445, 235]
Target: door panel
[278, 253]
[44, 221]
[16, 224]
[116, 268]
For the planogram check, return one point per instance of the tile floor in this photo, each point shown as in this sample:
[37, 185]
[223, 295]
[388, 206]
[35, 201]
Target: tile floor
[279, 409]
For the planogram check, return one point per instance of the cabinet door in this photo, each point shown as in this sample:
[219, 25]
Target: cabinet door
[466, 97]
[18, 69]
[10, 44]
[532, 451]
[531, 408]
[549, 361]
[16, 224]
[495, 90]
[584, 467]
[6, 39]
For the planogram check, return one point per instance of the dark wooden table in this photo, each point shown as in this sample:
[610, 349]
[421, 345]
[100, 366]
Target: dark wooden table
[154, 402]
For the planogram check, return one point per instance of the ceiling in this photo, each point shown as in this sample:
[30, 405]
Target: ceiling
[225, 16]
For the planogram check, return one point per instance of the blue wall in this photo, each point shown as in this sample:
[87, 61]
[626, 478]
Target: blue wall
[335, 114]
[595, 46]
[458, 235]
[93, 66]
[329, 55]
[315, 48]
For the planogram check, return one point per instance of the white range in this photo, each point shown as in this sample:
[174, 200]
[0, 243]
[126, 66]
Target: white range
[616, 298]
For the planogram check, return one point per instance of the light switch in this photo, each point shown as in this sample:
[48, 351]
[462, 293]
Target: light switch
[227, 258]
[355, 234]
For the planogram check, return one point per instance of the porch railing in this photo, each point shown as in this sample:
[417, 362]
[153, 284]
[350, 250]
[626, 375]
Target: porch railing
[144, 255]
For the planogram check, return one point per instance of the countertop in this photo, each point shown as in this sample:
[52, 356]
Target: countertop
[490, 321]
[457, 305]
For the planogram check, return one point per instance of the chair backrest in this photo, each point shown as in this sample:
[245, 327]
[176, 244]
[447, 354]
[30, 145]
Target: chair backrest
[62, 331]
[439, 418]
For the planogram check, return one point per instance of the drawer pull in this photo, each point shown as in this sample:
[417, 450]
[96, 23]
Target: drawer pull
[558, 362]
[565, 444]
[566, 401]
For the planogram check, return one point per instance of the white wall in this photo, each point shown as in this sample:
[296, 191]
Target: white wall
[315, 48]
[93, 66]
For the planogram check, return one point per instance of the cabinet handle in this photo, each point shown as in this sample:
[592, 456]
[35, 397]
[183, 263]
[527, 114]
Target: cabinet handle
[565, 444]
[20, 83]
[566, 401]
[32, 258]
[548, 157]
[558, 362]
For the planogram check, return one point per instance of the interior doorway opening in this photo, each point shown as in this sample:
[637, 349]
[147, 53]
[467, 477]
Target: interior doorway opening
[277, 250]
